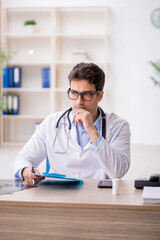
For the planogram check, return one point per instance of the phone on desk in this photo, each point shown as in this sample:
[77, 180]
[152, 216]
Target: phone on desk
[153, 181]
[105, 184]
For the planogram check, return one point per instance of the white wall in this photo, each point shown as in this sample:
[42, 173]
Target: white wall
[135, 43]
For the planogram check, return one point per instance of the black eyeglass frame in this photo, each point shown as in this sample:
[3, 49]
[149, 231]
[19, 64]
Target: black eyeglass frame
[81, 94]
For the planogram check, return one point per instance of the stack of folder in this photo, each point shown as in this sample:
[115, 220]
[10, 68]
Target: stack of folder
[10, 104]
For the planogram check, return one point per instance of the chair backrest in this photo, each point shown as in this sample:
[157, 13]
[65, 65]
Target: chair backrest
[47, 165]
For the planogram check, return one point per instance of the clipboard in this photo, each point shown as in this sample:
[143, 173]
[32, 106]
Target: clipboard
[56, 176]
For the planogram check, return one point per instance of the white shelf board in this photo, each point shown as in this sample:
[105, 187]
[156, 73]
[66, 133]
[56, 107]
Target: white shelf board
[61, 62]
[25, 9]
[13, 143]
[60, 90]
[30, 63]
[70, 35]
[23, 35]
[20, 116]
[84, 9]
[29, 90]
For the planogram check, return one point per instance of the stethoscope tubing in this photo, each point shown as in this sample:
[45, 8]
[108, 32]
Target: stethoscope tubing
[66, 112]
[103, 115]
[69, 121]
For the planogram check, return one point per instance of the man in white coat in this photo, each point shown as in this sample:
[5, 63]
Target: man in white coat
[84, 142]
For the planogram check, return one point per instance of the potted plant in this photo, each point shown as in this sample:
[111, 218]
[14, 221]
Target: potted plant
[5, 57]
[156, 67]
[30, 25]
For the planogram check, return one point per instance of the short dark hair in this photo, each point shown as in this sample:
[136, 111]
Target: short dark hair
[90, 72]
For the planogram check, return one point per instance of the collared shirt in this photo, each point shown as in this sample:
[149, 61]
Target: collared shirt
[83, 136]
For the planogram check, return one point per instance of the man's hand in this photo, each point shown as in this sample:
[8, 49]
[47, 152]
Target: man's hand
[29, 178]
[84, 117]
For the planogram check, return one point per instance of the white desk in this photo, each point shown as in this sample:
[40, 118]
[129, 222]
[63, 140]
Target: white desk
[79, 212]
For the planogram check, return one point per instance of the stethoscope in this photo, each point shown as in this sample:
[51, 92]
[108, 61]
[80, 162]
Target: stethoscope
[64, 150]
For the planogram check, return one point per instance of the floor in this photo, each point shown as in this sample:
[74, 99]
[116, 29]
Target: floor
[145, 160]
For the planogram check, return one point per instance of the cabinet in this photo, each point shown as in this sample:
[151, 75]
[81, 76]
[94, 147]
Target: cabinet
[63, 36]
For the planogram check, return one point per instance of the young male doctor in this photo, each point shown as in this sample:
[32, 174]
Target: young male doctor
[83, 143]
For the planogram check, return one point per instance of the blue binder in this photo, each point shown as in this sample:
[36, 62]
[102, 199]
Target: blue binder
[9, 104]
[5, 104]
[11, 77]
[15, 104]
[5, 77]
[17, 77]
[46, 77]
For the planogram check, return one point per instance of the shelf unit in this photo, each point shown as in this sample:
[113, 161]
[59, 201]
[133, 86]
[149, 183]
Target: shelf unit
[60, 31]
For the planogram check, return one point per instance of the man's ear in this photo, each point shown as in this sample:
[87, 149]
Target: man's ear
[100, 95]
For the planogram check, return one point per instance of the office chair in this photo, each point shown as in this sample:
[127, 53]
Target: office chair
[47, 165]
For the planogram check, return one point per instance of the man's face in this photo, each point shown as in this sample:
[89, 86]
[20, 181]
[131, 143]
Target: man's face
[81, 86]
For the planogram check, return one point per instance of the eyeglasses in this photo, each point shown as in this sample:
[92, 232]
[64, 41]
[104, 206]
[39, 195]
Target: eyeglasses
[86, 95]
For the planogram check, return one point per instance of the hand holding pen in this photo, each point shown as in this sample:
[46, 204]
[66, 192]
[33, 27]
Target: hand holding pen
[28, 176]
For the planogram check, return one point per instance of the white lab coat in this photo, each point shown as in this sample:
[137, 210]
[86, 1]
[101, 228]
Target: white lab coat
[110, 159]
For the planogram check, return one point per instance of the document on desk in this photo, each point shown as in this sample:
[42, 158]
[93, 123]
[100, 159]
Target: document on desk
[151, 195]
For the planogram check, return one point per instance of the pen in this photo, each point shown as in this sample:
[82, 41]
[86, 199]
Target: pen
[33, 180]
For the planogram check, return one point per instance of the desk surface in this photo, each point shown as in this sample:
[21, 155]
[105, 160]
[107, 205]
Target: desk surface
[81, 195]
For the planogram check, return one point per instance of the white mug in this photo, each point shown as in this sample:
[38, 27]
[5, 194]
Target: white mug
[115, 186]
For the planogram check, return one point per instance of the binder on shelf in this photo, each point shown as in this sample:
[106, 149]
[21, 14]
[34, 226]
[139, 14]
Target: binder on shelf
[11, 77]
[17, 77]
[6, 77]
[9, 101]
[15, 104]
[10, 104]
[46, 77]
[5, 104]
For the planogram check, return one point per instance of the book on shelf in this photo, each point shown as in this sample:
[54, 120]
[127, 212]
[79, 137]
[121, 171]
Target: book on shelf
[151, 195]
